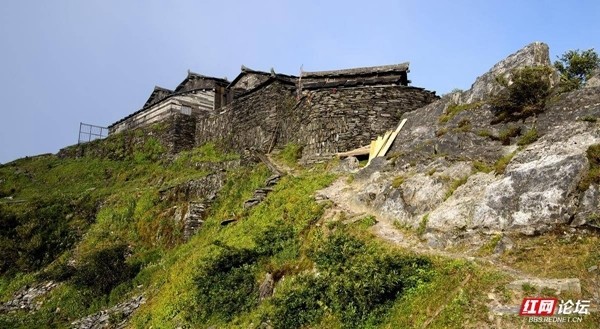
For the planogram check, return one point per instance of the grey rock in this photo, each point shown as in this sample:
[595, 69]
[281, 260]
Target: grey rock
[266, 287]
[273, 180]
[102, 319]
[571, 285]
[594, 81]
[26, 297]
[503, 245]
[347, 165]
[536, 53]
[589, 206]
[457, 211]
[539, 188]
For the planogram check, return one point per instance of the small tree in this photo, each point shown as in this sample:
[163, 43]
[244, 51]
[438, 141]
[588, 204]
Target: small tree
[524, 95]
[576, 67]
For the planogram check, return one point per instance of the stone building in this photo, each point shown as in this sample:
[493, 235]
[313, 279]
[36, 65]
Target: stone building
[325, 112]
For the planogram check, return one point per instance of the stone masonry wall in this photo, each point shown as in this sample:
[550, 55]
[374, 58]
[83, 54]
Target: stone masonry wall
[250, 122]
[338, 120]
[324, 121]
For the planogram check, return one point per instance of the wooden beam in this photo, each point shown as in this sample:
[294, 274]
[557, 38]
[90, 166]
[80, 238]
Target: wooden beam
[390, 141]
[359, 151]
[371, 152]
[384, 140]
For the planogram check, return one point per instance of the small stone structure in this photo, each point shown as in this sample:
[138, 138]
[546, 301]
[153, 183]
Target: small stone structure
[326, 112]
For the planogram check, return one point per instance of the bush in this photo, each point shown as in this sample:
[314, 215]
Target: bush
[356, 282]
[227, 285]
[104, 269]
[525, 96]
[576, 67]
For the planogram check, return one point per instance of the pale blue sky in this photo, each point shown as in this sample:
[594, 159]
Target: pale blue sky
[63, 62]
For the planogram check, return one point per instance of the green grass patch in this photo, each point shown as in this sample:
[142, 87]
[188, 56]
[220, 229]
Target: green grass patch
[290, 154]
[454, 109]
[500, 165]
[454, 185]
[397, 181]
[593, 174]
[528, 137]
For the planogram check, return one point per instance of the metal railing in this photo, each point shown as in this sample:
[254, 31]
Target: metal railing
[88, 133]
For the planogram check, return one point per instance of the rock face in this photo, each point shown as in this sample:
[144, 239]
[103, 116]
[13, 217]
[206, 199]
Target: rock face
[594, 81]
[533, 54]
[114, 317]
[441, 169]
[539, 187]
[25, 299]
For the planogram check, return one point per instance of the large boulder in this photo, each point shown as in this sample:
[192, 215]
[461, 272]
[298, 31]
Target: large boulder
[534, 54]
[539, 188]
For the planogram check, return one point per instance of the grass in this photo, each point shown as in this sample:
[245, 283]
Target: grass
[589, 118]
[454, 185]
[454, 109]
[528, 137]
[397, 181]
[502, 163]
[290, 154]
[481, 166]
[422, 228]
[488, 247]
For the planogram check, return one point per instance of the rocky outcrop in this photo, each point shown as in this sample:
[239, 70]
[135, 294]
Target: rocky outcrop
[205, 188]
[440, 173]
[539, 188]
[27, 298]
[534, 54]
[594, 80]
[114, 317]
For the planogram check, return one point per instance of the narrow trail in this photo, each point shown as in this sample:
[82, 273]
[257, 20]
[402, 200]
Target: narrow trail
[341, 195]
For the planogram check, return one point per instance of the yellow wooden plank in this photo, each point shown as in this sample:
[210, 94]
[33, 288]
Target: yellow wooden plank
[390, 141]
[371, 150]
[384, 140]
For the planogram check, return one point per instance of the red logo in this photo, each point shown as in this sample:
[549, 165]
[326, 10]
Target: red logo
[538, 306]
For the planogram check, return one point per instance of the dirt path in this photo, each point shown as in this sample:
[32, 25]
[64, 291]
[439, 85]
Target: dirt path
[341, 195]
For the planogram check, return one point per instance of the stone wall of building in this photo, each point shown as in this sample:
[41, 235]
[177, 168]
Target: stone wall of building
[251, 122]
[324, 121]
[337, 120]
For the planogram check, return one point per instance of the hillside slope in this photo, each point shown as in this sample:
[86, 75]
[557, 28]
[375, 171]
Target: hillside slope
[469, 213]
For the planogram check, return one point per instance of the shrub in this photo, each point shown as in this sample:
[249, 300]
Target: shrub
[356, 282]
[576, 67]
[525, 96]
[227, 285]
[104, 269]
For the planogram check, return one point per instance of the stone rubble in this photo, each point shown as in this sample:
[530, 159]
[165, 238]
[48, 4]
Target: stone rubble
[25, 299]
[114, 317]
[261, 193]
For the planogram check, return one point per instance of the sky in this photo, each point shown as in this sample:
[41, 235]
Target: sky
[63, 62]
